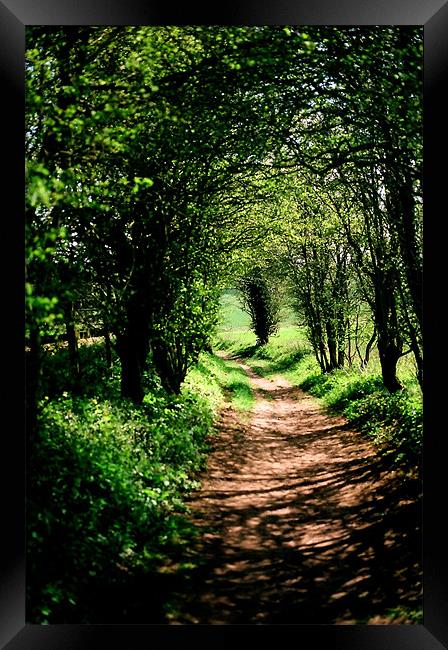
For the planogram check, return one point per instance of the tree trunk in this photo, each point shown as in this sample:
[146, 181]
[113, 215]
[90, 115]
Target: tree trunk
[132, 346]
[402, 219]
[389, 355]
[131, 370]
[341, 339]
[33, 380]
[325, 363]
[332, 348]
[368, 349]
[418, 358]
[349, 346]
[73, 349]
[409, 250]
[107, 347]
[389, 340]
[416, 343]
[171, 373]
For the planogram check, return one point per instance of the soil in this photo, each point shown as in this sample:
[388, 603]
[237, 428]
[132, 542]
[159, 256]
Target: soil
[301, 520]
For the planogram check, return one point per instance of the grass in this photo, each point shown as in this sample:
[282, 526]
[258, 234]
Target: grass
[213, 371]
[233, 317]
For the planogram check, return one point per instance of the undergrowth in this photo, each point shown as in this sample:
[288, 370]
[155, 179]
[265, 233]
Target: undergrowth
[107, 482]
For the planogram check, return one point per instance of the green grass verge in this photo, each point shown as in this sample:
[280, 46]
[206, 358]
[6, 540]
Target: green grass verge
[212, 371]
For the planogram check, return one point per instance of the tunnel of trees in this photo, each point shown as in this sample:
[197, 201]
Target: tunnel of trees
[164, 164]
[155, 153]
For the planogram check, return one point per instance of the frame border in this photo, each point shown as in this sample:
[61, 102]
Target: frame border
[15, 15]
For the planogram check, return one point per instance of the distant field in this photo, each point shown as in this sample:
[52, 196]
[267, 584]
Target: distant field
[232, 316]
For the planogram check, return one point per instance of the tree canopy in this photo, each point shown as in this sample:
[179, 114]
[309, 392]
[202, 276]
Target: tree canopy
[161, 159]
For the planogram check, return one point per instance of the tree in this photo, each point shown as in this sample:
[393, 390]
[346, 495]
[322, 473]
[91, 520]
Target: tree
[363, 131]
[259, 300]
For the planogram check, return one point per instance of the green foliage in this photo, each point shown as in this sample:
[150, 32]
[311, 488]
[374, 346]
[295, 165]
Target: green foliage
[162, 163]
[182, 328]
[213, 371]
[158, 181]
[97, 379]
[340, 388]
[393, 421]
[106, 487]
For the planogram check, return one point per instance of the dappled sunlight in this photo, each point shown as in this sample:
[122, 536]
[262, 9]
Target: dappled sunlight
[301, 522]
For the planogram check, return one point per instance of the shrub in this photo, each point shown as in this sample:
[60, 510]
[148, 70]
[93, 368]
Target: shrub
[393, 421]
[96, 378]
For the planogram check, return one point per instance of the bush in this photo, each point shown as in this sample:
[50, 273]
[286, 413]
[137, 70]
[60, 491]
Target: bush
[340, 388]
[96, 378]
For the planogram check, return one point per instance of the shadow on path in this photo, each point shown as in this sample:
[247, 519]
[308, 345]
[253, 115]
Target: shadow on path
[302, 522]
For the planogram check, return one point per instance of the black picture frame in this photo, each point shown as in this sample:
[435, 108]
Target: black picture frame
[15, 15]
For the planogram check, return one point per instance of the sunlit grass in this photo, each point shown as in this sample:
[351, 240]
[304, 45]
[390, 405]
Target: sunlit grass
[212, 371]
[234, 318]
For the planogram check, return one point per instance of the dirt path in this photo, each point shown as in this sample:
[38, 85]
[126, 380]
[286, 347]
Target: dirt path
[300, 522]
